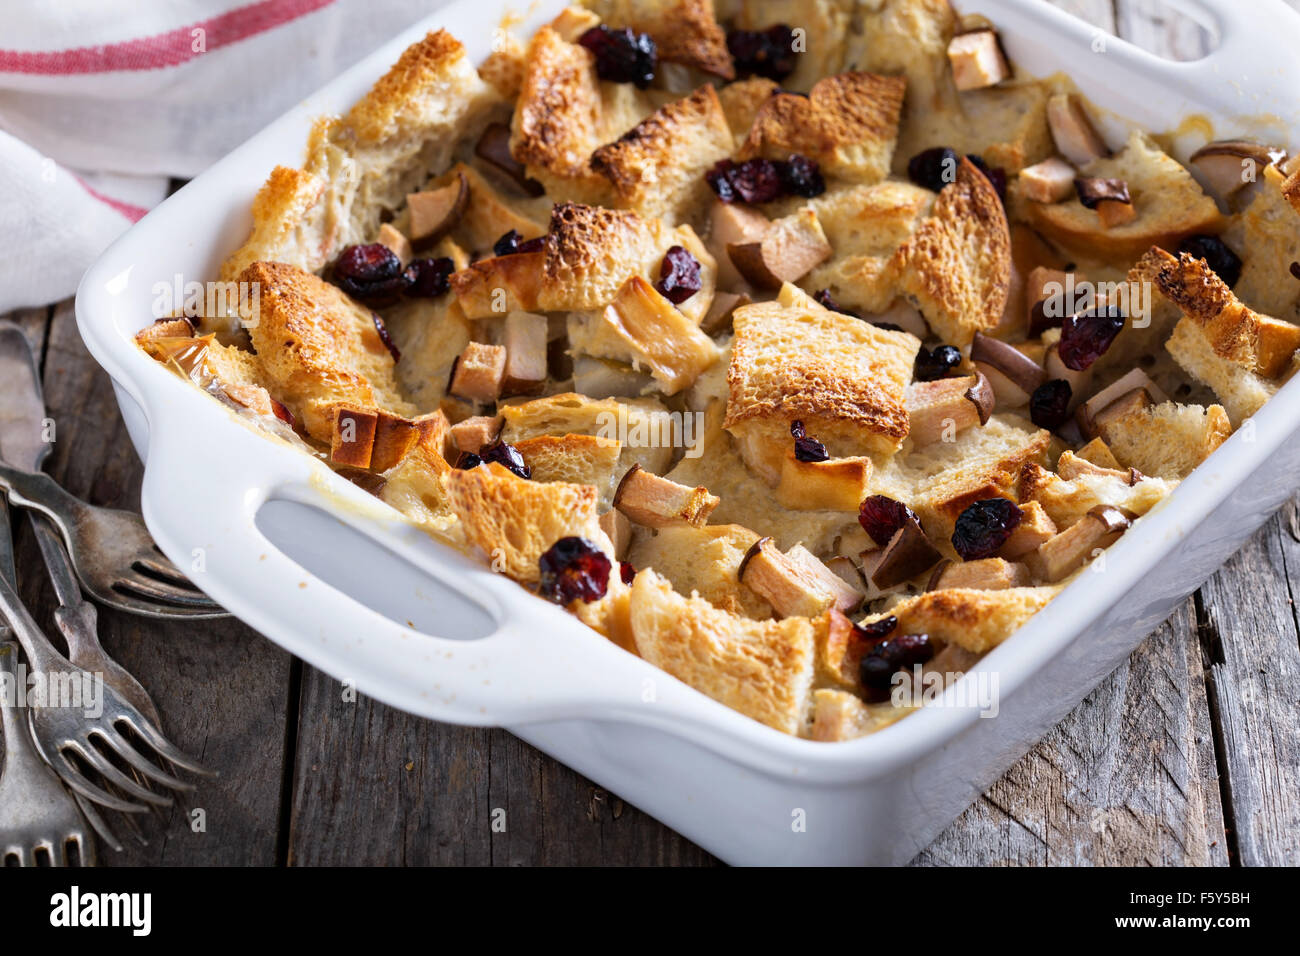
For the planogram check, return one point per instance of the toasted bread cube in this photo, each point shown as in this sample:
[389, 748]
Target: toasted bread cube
[792, 587]
[658, 503]
[475, 432]
[177, 328]
[838, 484]
[1034, 529]
[1099, 453]
[941, 409]
[354, 435]
[525, 343]
[987, 574]
[1076, 545]
[975, 620]
[479, 371]
[619, 530]
[499, 284]
[1114, 213]
[395, 240]
[1050, 181]
[1276, 346]
[977, 60]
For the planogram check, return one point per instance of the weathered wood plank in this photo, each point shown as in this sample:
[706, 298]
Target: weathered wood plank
[1129, 778]
[393, 789]
[1251, 641]
[220, 688]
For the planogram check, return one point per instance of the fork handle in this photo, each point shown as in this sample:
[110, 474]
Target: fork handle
[38, 491]
[42, 656]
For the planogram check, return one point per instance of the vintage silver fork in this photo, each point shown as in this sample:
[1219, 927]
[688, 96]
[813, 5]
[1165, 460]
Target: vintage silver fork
[112, 551]
[68, 738]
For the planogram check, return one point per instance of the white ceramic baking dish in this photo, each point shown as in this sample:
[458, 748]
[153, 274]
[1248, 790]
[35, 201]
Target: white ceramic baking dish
[420, 627]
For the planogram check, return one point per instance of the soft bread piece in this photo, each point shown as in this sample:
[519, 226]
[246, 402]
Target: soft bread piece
[748, 500]
[564, 112]
[910, 37]
[1068, 501]
[512, 522]
[588, 254]
[319, 348]
[1005, 125]
[941, 480]
[703, 561]
[416, 487]
[429, 334]
[358, 166]
[839, 715]
[741, 101]
[644, 421]
[976, 620]
[794, 360]
[576, 459]
[611, 616]
[1219, 341]
[865, 225]
[1267, 236]
[847, 123]
[1167, 440]
[1170, 206]
[684, 31]
[763, 669]
[644, 329]
[657, 167]
[957, 266]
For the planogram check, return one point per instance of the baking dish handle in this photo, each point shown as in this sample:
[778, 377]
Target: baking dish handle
[1243, 43]
[538, 665]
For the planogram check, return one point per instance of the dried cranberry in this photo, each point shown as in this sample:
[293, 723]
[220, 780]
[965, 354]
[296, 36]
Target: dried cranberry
[934, 168]
[508, 456]
[996, 175]
[1086, 337]
[679, 275]
[1225, 263]
[626, 573]
[372, 273]
[881, 516]
[512, 243]
[429, 277]
[936, 363]
[622, 55]
[753, 181]
[888, 657]
[984, 527]
[573, 569]
[384, 337]
[468, 460]
[825, 299]
[1049, 406]
[1295, 269]
[802, 176]
[805, 448]
[768, 53]
[876, 630]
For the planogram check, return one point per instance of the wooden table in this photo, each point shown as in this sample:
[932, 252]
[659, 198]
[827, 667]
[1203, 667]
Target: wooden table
[1188, 754]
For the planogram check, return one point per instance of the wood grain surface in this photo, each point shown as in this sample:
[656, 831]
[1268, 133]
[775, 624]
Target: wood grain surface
[1188, 754]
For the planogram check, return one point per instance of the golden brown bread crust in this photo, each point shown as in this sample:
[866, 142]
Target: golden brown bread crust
[703, 561]
[741, 101]
[844, 378]
[402, 90]
[1187, 282]
[848, 123]
[282, 203]
[576, 459]
[957, 265]
[318, 347]
[512, 521]
[657, 167]
[763, 669]
[591, 252]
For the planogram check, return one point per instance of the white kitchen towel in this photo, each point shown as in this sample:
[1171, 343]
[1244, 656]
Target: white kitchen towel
[101, 103]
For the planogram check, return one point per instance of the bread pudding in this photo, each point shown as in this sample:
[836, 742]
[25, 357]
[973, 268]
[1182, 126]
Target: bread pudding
[802, 352]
